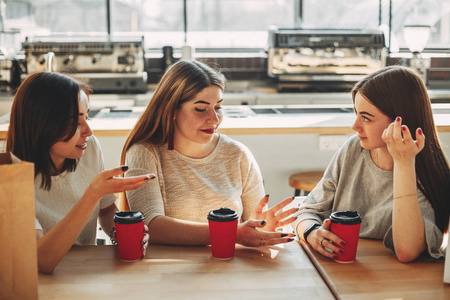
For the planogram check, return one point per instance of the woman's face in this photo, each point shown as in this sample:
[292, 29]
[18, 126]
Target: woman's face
[74, 148]
[197, 120]
[370, 123]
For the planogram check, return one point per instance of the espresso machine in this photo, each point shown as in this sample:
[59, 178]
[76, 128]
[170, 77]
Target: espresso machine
[109, 65]
[323, 59]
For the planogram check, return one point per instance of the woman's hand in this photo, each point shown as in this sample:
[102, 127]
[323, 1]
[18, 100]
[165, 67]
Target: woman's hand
[323, 237]
[402, 149]
[107, 182]
[273, 217]
[145, 240]
[248, 235]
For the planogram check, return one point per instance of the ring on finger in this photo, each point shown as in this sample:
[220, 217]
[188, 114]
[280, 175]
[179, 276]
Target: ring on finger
[262, 242]
[321, 241]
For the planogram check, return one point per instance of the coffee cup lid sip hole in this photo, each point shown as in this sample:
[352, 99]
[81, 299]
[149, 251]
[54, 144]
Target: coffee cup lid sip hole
[348, 217]
[224, 214]
[128, 217]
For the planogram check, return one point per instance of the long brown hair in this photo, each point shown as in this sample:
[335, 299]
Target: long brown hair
[44, 112]
[180, 83]
[399, 91]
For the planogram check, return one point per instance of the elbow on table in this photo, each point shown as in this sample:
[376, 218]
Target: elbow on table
[46, 269]
[405, 256]
[46, 264]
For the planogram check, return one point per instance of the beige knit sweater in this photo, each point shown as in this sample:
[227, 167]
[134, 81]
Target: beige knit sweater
[188, 188]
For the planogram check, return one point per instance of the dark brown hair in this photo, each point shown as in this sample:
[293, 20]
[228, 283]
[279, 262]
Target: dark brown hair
[44, 112]
[181, 82]
[399, 91]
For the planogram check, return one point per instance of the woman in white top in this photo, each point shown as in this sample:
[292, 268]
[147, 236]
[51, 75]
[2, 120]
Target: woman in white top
[48, 127]
[198, 169]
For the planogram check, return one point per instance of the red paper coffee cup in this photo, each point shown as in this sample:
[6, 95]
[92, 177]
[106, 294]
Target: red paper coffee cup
[346, 225]
[129, 234]
[222, 232]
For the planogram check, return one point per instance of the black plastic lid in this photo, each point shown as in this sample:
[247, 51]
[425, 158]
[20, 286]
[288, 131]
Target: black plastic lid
[349, 217]
[225, 214]
[128, 217]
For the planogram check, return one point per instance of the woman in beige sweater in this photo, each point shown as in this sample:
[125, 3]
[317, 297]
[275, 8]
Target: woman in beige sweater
[197, 169]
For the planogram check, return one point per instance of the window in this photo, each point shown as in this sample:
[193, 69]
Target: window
[222, 23]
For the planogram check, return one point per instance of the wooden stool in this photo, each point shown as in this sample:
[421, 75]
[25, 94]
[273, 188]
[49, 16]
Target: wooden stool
[305, 181]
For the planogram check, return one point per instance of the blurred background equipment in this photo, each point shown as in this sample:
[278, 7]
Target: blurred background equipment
[110, 65]
[318, 58]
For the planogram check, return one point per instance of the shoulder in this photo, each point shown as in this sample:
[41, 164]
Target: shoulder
[353, 142]
[141, 147]
[235, 152]
[142, 151]
[233, 146]
[350, 146]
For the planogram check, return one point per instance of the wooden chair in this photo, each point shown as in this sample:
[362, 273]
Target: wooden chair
[305, 181]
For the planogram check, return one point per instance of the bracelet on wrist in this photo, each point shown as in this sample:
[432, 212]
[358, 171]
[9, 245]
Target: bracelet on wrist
[309, 230]
[404, 196]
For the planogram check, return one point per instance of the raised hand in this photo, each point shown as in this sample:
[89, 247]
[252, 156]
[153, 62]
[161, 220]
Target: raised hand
[402, 148]
[107, 182]
[248, 235]
[274, 217]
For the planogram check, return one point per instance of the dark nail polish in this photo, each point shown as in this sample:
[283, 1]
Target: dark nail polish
[343, 244]
[124, 168]
[284, 234]
[293, 198]
[267, 196]
[420, 131]
[290, 240]
[341, 251]
[404, 128]
[335, 257]
[398, 119]
[263, 222]
[147, 178]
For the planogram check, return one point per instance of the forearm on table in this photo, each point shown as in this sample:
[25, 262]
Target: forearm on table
[407, 221]
[171, 231]
[52, 247]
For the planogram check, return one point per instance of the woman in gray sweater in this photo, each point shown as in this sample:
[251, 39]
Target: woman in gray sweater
[397, 180]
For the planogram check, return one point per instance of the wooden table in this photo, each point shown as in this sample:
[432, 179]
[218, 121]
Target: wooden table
[377, 274]
[173, 272]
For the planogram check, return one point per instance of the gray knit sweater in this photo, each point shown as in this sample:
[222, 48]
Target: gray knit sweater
[353, 181]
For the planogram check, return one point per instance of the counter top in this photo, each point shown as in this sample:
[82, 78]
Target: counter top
[175, 272]
[242, 120]
[245, 122]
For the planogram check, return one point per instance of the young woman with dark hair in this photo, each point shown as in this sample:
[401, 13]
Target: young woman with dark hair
[198, 169]
[48, 127]
[398, 180]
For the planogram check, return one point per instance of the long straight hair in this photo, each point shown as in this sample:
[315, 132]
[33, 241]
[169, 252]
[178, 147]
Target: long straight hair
[399, 91]
[44, 112]
[180, 83]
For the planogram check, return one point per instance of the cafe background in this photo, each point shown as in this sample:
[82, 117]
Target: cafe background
[266, 49]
